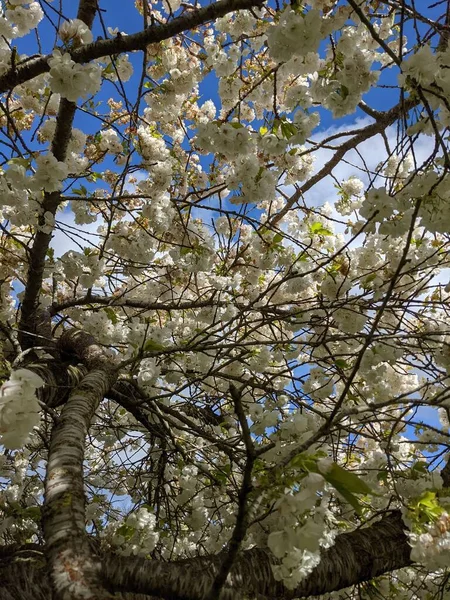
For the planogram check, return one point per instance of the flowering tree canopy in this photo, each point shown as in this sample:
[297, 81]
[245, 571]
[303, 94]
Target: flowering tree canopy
[224, 299]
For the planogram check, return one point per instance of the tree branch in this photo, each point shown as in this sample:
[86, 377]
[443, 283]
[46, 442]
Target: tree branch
[30, 312]
[243, 513]
[385, 120]
[356, 557]
[75, 573]
[136, 41]
[123, 300]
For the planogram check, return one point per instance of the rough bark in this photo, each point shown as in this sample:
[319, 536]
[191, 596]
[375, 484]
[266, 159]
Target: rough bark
[74, 569]
[356, 557]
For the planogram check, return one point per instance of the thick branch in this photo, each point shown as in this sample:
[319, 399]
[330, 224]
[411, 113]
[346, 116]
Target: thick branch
[356, 557]
[73, 569]
[75, 573]
[59, 379]
[75, 342]
[137, 41]
[86, 12]
[66, 112]
[243, 513]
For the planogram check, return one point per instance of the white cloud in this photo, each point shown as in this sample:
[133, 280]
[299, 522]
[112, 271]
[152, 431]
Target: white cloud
[360, 162]
[70, 236]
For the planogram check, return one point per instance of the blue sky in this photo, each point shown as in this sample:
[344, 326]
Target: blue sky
[117, 13]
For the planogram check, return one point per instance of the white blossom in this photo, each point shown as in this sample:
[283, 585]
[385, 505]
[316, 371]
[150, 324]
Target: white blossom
[19, 408]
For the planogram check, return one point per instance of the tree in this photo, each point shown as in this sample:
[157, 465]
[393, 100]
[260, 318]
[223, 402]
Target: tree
[224, 334]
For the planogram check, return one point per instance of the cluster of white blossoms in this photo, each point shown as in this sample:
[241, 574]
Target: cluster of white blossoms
[121, 67]
[19, 407]
[110, 141]
[356, 75]
[75, 162]
[135, 536]
[378, 204]
[75, 31]
[20, 189]
[246, 155]
[421, 65]
[427, 68]
[148, 372]
[20, 18]
[72, 80]
[87, 269]
[50, 173]
[5, 58]
[305, 531]
[432, 548]
[393, 211]
[18, 488]
[295, 34]
[351, 191]
[14, 185]
[350, 321]
[378, 378]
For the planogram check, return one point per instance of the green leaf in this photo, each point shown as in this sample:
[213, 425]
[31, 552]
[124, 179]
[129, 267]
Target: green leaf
[152, 346]
[341, 363]
[126, 531]
[109, 69]
[314, 227]
[427, 499]
[337, 476]
[347, 484]
[33, 513]
[260, 173]
[304, 462]
[288, 130]
[23, 162]
[222, 474]
[318, 229]
[344, 91]
[419, 468]
[368, 280]
[383, 476]
[425, 508]
[81, 191]
[263, 130]
[349, 497]
[111, 315]
[277, 238]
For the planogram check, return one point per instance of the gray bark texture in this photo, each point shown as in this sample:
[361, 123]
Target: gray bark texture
[356, 557]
